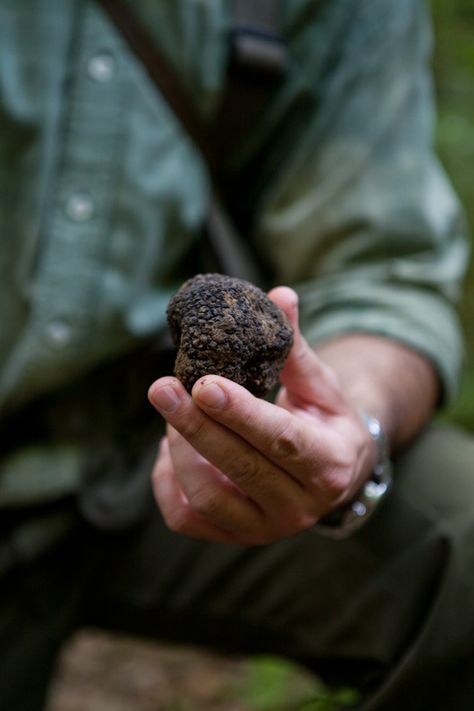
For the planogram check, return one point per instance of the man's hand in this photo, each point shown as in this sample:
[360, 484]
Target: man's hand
[237, 469]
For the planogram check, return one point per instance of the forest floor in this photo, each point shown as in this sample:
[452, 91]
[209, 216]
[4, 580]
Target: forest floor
[102, 672]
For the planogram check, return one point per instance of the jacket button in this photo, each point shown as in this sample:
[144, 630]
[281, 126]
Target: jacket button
[79, 207]
[101, 67]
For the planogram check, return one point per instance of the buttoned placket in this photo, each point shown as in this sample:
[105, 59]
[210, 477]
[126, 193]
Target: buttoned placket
[69, 274]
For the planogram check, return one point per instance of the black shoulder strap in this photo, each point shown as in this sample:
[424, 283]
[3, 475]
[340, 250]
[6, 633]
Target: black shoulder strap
[257, 61]
[257, 57]
[162, 75]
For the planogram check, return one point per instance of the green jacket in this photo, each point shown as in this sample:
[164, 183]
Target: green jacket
[102, 195]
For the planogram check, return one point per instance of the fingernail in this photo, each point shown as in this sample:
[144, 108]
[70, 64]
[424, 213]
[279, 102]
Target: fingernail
[212, 395]
[166, 399]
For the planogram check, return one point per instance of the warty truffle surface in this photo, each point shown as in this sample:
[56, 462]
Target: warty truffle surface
[229, 327]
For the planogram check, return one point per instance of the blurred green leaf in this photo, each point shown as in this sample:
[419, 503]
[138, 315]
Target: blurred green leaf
[275, 684]
[454, 77]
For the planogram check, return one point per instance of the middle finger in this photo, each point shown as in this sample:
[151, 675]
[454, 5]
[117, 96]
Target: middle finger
[264, 482]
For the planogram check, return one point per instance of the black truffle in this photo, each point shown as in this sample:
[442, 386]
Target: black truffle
[229, 327]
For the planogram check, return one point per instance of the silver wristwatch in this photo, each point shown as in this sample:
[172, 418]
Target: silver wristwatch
[344, 521]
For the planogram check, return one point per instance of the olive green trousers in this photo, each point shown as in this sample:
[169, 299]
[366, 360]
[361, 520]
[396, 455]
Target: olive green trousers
[389, 610]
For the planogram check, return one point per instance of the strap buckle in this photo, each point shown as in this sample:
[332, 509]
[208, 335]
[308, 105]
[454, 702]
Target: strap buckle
[256, 44]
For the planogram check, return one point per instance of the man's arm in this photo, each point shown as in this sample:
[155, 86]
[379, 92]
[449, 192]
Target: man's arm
[385, 379]
[360, 218]
[363, 222]
[237, 469]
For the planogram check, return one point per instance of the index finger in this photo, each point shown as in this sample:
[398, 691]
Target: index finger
[299, 443]
[263, 481]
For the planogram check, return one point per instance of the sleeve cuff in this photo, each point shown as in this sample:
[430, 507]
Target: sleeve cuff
[421, 320]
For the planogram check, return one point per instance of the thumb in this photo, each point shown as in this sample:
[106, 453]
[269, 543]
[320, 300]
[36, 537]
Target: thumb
[305, 376]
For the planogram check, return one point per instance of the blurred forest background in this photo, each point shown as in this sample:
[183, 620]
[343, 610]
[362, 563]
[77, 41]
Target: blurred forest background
[103, 673]
[454, 77]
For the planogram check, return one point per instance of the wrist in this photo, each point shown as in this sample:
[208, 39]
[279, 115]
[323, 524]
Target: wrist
[347, 519]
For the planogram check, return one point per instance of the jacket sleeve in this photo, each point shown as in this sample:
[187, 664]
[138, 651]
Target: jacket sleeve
[362, 220]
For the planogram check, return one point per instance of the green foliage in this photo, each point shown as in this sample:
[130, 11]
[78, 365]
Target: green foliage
[454, 76]
[275, 684]
[335, 700]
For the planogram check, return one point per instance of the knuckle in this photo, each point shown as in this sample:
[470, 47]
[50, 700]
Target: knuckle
[176, 519]
[192, 427]
[285, 443]
[294, 521]
[329, 374]
[301, 520]
[335, 482]
[246, 472]
[304, 356]
[207, 502]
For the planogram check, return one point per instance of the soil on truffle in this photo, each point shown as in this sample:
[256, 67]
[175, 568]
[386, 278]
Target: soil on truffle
[229, 327]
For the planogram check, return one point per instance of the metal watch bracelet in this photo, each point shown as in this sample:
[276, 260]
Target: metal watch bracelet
[342, 522]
